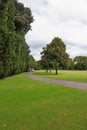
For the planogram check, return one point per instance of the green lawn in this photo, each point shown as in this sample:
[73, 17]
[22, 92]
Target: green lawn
[80, 76]
[26, 104]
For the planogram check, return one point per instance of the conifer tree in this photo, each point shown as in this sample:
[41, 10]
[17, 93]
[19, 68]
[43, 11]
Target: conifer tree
[14, 51]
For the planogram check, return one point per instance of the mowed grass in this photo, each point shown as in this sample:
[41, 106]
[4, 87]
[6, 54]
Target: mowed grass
[26, 104]
[80, 76]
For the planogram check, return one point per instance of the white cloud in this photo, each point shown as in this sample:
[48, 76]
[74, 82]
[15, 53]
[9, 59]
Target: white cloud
[64, 18]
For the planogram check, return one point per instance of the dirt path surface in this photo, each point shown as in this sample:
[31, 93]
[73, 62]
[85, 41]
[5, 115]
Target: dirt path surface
[65, 83]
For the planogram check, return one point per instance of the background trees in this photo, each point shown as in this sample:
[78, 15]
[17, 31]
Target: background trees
[80, 63]
[32, 63]
[54, 55]
[15, 22]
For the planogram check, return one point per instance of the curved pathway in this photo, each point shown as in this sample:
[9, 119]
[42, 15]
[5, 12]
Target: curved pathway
[65, 83]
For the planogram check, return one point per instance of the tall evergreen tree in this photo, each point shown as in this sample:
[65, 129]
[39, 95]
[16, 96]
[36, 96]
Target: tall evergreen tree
[3, 36]
[14, 51]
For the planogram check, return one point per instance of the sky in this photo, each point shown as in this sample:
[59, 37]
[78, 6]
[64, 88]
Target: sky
[66, 19]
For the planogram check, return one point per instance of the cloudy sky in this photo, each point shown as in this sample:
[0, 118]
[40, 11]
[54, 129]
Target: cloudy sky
[66, 19]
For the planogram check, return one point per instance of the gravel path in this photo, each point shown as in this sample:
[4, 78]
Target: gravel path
[65, 83]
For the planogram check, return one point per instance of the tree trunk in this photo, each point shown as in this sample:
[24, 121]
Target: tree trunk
[56, 71]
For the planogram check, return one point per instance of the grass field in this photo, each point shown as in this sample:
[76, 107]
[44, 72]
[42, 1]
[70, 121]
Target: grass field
[26, 104]
[80, 76]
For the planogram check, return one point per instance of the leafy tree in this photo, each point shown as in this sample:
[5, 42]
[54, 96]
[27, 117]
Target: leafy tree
[23, 18]
[45, 59]
[5, 32]
[32, 62]
[15, 22]
[80, 63]
[54, 55]
[38, 65]
[69, 64]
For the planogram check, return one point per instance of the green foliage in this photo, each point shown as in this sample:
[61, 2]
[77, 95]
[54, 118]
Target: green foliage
[38, 65]
[80, 63]
[14, 51]
[54, 55]
[69, 64]
[23, 18]
[32, 62]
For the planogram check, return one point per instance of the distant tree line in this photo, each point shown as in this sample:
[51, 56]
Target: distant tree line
[54, 56]
[15, 22]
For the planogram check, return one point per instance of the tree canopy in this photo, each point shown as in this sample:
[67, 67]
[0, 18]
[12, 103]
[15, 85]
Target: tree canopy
[23, 18]
[80, 63]
[15, 22]
[54, 55]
